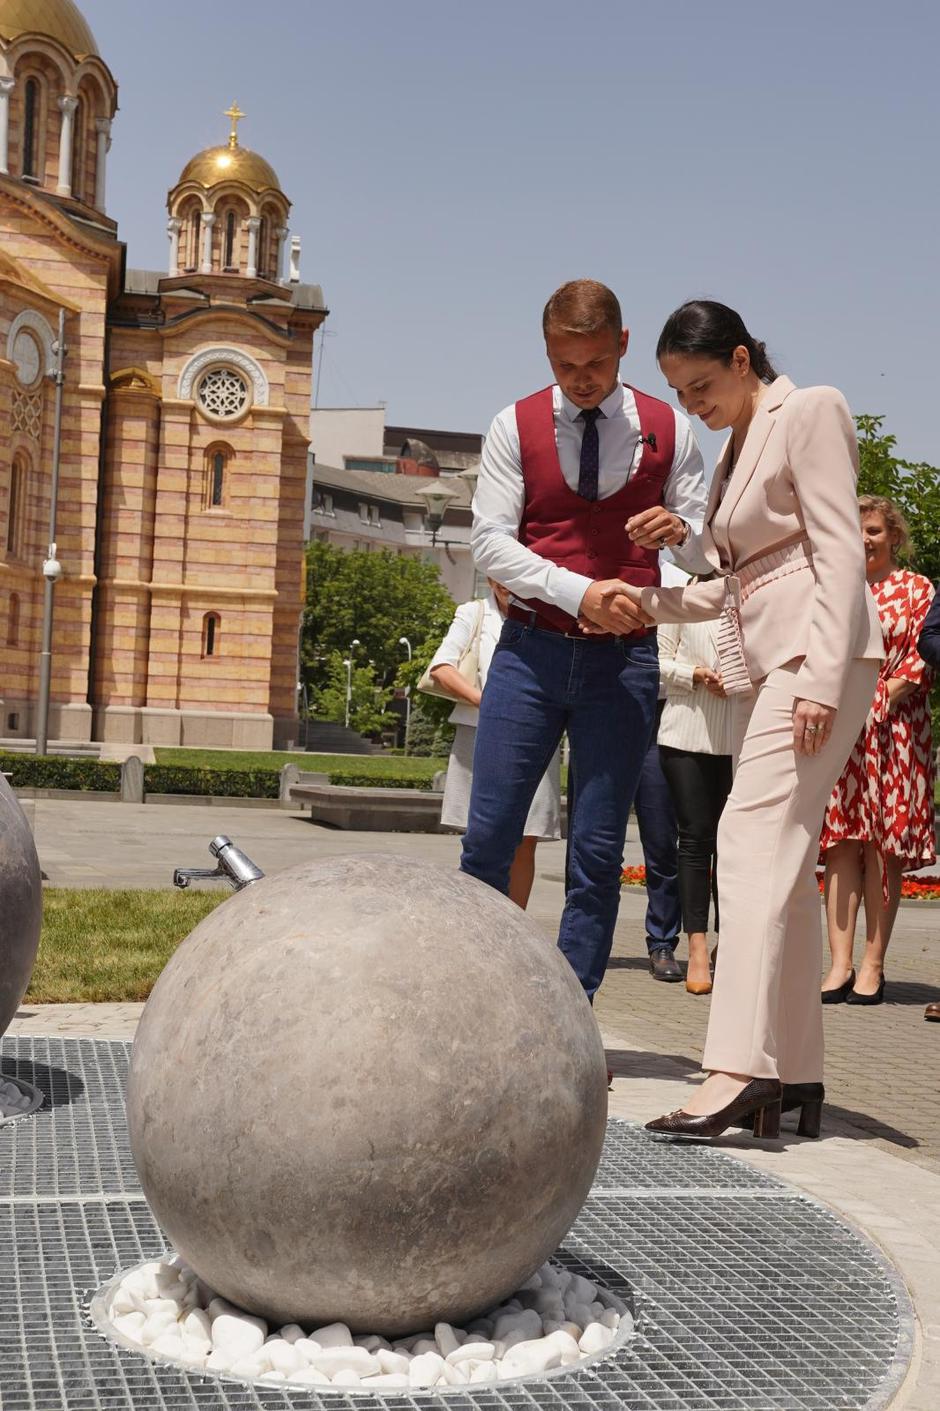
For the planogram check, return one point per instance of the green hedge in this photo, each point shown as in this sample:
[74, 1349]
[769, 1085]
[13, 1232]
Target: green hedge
[31, 771]
[221, 783]
[378, 781]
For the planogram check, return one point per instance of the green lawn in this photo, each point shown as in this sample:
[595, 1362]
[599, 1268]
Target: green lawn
[103, 945]
[394, 766]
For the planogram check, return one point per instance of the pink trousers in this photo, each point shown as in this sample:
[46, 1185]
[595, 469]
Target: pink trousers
[766, 1015]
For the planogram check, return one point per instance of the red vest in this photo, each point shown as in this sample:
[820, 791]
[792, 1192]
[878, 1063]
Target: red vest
[588, 536]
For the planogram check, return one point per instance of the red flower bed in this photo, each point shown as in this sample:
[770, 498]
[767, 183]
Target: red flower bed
[912, 888]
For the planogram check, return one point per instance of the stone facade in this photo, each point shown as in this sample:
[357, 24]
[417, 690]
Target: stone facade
[185, 404]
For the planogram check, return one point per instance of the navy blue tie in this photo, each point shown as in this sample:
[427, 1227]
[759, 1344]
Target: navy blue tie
[590, 454]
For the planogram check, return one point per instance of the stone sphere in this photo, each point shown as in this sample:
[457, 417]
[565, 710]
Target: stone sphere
[367, 1090]
[20, 904]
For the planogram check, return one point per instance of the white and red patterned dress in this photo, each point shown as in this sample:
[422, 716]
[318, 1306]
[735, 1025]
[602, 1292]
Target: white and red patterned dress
[885, 793]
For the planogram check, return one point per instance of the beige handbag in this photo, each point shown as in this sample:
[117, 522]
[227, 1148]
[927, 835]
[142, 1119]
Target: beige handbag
[468, 665]
[731, 659]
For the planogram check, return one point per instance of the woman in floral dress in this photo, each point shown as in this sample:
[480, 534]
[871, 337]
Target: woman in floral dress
[880, 819]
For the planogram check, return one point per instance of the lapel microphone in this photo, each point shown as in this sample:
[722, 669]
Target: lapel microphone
[649, 440]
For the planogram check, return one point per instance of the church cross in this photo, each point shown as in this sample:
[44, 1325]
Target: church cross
[236, 114]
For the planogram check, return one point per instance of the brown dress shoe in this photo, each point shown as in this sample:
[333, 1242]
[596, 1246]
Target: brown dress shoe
[932, 1011]
[663, 964]
[759, 1100]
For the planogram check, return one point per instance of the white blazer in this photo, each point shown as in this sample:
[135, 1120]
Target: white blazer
[456, 641]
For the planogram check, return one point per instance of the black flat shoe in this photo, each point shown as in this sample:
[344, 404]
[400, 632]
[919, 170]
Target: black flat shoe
[809, 1097]
[840, 995]
[760, 1101]
[853, 997]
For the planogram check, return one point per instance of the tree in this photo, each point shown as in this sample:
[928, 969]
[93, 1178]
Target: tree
[913, 486]
[368, 701]
[375, 598]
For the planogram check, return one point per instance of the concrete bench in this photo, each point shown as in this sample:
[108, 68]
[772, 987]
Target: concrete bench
[370, 810]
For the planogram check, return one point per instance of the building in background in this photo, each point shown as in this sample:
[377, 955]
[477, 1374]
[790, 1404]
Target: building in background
[185, 424]
[405, 489]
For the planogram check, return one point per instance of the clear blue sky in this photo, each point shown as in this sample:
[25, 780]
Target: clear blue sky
[451, 164]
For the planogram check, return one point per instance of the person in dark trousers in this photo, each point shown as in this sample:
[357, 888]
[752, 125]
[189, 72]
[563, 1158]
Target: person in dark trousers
[563, 473]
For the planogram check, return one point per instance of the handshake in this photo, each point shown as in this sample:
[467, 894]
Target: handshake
[612, 606]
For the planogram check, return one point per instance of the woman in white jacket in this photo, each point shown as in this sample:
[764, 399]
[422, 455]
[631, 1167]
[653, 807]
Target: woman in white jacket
[695, 749]
[544, 820]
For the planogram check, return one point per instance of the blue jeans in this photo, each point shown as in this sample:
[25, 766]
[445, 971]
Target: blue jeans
[659, 839]
[603, 693]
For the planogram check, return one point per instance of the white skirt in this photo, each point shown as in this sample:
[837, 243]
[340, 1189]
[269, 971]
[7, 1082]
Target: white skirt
[544, 820]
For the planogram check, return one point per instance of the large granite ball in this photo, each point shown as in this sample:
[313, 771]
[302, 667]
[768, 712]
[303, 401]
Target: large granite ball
[20, 904]
[367, 1090]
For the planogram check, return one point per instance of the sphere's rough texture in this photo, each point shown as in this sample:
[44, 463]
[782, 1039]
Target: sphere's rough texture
[367, 1090]
[20, 904]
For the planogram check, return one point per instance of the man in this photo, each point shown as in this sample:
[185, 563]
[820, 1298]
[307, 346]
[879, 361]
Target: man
[928, 644]
[580, 486]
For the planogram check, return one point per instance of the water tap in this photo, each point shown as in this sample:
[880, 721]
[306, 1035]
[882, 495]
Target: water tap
[233, 866]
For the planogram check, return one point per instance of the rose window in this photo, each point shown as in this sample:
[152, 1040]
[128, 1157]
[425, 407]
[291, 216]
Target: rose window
[222, 393]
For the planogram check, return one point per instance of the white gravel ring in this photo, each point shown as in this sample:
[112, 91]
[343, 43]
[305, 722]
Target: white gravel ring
[164, 1312]
[18, 1099]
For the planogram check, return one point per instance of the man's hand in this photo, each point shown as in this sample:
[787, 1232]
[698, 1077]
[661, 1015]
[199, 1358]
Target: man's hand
[612, 606]
[711, 680]
[656, 528]
[502, 596]
[812, 726]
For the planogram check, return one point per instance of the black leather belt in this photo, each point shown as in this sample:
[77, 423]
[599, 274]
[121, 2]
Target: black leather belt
[532, 618]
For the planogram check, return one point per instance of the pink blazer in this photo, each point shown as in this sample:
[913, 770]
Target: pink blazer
[788, 527]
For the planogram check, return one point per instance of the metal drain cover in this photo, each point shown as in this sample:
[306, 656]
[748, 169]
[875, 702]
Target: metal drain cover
[748, 1296]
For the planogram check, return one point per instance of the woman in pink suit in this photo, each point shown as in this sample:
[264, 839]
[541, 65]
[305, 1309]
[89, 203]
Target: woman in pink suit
[781, 530]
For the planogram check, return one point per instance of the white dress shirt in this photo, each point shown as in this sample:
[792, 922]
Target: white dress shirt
[499, 501]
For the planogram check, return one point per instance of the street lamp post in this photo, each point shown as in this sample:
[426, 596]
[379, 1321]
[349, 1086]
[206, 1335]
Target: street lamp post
[51, 568]
[348, 663]
[436, 495]
[403, 642]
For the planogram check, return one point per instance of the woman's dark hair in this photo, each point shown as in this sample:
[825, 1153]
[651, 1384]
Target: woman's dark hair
[705, 329]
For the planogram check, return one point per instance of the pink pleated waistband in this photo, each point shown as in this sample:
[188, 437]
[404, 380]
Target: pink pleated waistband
[792, 558]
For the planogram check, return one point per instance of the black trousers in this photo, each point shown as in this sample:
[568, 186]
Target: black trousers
[699, 785]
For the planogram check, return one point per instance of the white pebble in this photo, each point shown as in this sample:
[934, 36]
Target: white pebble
[333, 1335]
[307, 1348]
[455, 1376]
[346, 1359]
[483, 1372]
[347, 1378]
[197, 1325]
[566, 1344]
[595, 1338]
[167, 1346]
[610, 1319]
[249, 1367]
[130, 1324]
[156, 1324]
[372, 1343]
[284, 1356]
[218, 1362]
[472, 1352]
[193, 1353]
[525, 1321]
[426, 1369]
[393, 1363]
[291, 1332]
[446, 1341]
[238, 1333]
[421, 1345]
[539, 1355]
[272, 1377]
[311, 1376]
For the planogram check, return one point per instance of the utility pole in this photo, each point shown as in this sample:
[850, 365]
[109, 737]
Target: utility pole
[51, 568]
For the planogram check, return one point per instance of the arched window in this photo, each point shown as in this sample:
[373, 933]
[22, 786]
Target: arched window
[15, 503]
[228, 261]
[211, 629]
[31, 128]
[13, 621]
[78, 151]
[217, 461]
[262, 256]
[195, 235]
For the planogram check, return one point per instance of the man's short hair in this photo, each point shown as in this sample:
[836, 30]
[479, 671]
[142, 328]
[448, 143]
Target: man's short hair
[582, 306]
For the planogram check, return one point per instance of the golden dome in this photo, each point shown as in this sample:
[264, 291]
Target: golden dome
[59, 19]
[229, 163]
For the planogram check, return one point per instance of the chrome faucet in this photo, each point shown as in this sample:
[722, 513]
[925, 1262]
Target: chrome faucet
[234, 867]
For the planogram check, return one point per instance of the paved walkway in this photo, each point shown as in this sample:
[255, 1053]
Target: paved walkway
[879, 1159]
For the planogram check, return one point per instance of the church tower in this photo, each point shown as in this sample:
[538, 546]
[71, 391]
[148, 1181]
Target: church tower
[201, 563]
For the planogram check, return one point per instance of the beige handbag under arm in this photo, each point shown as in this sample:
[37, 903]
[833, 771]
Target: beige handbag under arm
[468, 664]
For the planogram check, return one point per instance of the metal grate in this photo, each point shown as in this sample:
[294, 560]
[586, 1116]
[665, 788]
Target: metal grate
[748, 1296]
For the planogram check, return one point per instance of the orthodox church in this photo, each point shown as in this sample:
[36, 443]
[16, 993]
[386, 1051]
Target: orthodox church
[182, 428]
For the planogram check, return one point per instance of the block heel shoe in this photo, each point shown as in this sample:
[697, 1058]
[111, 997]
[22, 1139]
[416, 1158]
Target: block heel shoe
[759, 1102]
[809, 1098]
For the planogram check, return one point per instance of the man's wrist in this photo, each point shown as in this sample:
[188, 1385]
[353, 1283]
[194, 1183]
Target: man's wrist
[686, 533]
